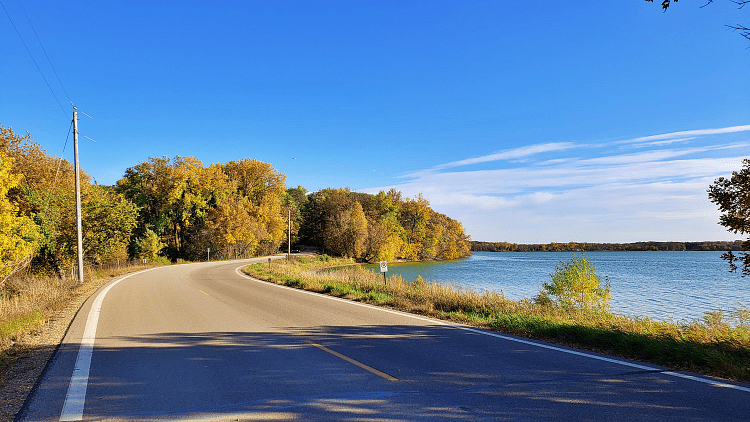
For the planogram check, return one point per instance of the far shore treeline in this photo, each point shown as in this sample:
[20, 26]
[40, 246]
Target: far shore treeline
[477, 246]
[177, 209]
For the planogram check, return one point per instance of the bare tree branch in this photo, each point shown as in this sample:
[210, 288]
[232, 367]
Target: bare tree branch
[744, 31]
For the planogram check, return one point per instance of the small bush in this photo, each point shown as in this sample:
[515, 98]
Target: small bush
[575, 284]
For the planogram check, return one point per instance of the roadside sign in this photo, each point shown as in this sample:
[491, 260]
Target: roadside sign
[383, 266]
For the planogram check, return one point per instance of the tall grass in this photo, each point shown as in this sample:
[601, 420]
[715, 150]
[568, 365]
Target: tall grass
[28, 301]
[718, 344]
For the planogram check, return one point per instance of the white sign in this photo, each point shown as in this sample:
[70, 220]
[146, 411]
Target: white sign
[383, 266]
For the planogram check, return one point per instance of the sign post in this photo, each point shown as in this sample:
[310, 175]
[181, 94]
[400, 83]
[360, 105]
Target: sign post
[384, 269]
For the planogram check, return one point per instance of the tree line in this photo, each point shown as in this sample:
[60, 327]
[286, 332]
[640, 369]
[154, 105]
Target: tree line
[379, 227]
[736, 245]
[179, 209]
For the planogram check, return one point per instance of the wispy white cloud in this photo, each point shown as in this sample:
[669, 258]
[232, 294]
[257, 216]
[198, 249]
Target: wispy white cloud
[690, 133]
[662, 143]
[511, 154]
[589, 192]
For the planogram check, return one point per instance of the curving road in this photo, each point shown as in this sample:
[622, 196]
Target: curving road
[203, 342]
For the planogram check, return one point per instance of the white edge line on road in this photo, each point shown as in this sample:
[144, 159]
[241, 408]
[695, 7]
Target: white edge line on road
[514, 339]
[75, 399]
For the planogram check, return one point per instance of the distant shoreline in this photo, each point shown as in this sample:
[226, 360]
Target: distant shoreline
[477, 246]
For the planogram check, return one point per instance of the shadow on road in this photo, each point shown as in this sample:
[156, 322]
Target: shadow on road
[441, 374]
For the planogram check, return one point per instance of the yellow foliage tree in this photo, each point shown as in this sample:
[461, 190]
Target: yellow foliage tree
[265, 190]
[355, 235]
[18, 233]
[234, 230]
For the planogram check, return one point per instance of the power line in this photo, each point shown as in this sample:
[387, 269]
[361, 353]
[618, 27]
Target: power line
[44, 50]
[60, 159]
[57, 171]
[32, 59]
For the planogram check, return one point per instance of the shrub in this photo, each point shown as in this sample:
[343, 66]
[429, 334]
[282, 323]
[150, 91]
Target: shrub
[575, 284]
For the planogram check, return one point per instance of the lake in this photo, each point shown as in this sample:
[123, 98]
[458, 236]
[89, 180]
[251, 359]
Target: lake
[660, 285]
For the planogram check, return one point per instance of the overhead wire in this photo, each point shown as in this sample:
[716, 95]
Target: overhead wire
[59, 160]
[57, 171]
[32, 59]
[45, 51]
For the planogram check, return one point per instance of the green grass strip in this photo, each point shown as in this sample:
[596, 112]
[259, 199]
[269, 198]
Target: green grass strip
[20, 324]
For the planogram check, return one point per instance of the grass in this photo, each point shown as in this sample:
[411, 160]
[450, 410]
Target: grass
[27, 302]
[21, 323]
[718, 344]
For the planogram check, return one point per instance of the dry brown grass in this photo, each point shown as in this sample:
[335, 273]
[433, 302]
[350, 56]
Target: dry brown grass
[28, 301]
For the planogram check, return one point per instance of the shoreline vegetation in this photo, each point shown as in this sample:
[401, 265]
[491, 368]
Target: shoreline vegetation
[478, 246]
[716, 345]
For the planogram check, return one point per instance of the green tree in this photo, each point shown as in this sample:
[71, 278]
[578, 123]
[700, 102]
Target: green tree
[576, 284]
[295, 200]
[108, 222]
[733, 198]
[150, 245]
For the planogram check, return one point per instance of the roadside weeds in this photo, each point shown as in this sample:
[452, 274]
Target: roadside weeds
[35, 314]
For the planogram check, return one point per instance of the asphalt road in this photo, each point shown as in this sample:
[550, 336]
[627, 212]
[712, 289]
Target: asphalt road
[203, 342]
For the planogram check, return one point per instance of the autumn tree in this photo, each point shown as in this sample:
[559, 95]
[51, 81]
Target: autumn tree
[733, 198]
[325, 217]
[265, 189]
[174, 196]
[392, 228]
[45, 193]
[415, 215]
[18, 233]
[187, 204]
[235, 232]
[576, 284]
[355, 234]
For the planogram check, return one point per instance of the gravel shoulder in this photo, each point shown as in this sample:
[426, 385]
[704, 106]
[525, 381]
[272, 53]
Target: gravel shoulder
[30, 354]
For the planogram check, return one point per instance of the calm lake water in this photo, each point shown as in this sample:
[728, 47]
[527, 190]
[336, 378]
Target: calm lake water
[660, 285]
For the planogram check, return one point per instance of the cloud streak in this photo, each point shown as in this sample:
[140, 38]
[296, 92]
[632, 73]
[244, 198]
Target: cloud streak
[510, 154]
[648, 188]
[690, 133]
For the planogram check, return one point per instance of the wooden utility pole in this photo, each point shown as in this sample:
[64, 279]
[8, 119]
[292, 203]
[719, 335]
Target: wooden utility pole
[289, 241]
[78, 196]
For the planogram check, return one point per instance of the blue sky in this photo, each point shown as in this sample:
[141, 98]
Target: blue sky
[529, 122]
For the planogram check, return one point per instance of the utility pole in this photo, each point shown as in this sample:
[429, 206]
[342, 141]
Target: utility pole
[289, 231]
[78, 196]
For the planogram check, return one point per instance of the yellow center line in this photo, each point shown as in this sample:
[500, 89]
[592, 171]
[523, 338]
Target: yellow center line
[204, 292]
[353, 362]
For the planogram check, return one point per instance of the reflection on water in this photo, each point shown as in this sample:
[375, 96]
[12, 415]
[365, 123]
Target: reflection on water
[660, 285]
